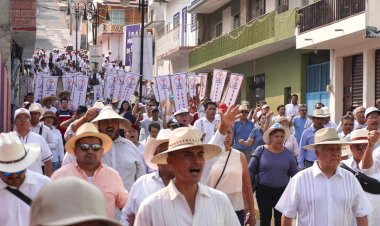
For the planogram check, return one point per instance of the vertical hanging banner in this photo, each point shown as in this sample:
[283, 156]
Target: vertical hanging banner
[155, 92]
[218, 80]
[68, 82]
[39, 83]
[98, 92]
[119, 82]
[131, 30]
[110, 85]
[147, 56]
[30, 84]
[80, 90]
[192, 81]
[203, 81]
[163, 85]
[178, 82]
[129, 87]
[50, 86]
[232, 89]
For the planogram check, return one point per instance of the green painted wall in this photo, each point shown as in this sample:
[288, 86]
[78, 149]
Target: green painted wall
[282, 69]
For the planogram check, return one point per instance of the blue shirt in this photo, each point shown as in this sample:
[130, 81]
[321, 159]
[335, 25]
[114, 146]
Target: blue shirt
[304, 154]
[299, 125]
[242, 131]
[257, 135]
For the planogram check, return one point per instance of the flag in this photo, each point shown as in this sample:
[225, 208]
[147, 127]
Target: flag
[80, 90]
[218, 80]
[179, 89]
[50, 86]
[232, 89]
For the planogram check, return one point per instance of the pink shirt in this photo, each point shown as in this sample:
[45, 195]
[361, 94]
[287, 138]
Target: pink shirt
[105, 178]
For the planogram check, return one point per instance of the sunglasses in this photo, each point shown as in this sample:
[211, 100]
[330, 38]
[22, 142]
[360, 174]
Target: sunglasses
[6, 174]
[86, 147]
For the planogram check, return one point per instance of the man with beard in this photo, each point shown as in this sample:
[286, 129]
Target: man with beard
[15, 158]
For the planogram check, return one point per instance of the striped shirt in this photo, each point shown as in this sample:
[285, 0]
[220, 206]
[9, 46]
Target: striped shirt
[319, 200]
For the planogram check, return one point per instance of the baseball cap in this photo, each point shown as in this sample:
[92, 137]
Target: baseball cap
[21, 111]
[181, 111]
[370, 110]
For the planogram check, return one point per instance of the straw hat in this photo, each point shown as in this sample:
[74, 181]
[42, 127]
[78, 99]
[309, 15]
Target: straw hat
[63, 94]
[35, 107]
[359, 136]
[88, 130]
[152, 144]
[45, 99]
[57, 204]
[14, 155]
[48, 114]
[99, 105]
[319, 113]
[282, 118]
[325, 136]
[109, 113]
[276, 126]
[243, 108]
[185, 137]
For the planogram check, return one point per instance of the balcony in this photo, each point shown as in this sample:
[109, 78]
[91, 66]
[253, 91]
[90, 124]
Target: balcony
[206, 6]
[325, 12]
[175, 43]
[109, 29]
[156, 18]
[267, 34]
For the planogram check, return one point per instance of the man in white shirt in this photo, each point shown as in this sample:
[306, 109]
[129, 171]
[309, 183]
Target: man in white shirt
[347, 127]
[185, 201]
[146, 122]
[324, 194]
[292, 109]
[15, 158]
[207, 124]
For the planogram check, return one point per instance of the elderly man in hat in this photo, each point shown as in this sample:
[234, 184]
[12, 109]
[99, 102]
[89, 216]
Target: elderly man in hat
[306, 157]
[47, 103]
[324, 194]
[70, 202]
[18, 185]
[89, 146]
[23, 130]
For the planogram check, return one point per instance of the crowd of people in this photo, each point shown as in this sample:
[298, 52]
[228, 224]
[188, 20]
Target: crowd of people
[124, 163]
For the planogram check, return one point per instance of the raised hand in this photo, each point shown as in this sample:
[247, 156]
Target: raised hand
[228, 118]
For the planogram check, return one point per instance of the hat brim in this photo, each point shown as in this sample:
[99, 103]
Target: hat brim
[312, 146]
[210, 151]
[83, 219]
[33, 151]
[123, 122]
[44, 99]
[266, 134]
[358, 142]
[149, 150]
[106, 141]
[318, 116]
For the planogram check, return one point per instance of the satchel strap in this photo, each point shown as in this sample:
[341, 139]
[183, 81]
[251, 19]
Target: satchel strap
[225, 164]
[19, 195]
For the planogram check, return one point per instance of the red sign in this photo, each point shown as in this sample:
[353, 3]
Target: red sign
[23, 15]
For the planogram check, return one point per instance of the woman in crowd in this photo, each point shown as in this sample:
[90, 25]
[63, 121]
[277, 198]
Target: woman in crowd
[126, 111]
[291, 142]
[256, 136]
[230, 175]
[274, 164]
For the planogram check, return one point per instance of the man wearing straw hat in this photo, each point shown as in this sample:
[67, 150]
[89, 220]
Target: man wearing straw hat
[89, 146]
[18, 185]
[324, 194]
[185, 201]
[306, 157]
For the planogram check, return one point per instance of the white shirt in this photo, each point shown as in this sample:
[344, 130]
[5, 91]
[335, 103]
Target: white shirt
[45, 155]
[58, 152]
[145, 186]
[169, 207]
[318, 200]
[45, 133]
[291, 109]
[205, 126]
[53, 109]
[292, 145]
[14, 211]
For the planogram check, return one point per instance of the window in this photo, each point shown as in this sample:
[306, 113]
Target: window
[176, 20]
[194, 24]
[117, 16]
[218, 29]
[237, 21]
[256, 91]
[256, 8]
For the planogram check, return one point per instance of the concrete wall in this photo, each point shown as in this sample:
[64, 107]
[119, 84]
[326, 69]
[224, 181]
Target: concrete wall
[5, 34]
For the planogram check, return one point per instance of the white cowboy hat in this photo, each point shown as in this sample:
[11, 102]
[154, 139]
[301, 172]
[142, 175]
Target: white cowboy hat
[89, 130]
[359, 136]
[109, 113]
[57, 204]
[14, 155]
[44, 99]
[243, 108]
[185, 137]
[152, 144]
[35, 107]
[276, 126]
[99, 105]
[281, 119]
[319, 113]
[325, 136]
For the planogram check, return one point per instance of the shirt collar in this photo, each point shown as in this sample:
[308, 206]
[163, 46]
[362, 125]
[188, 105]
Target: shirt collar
[174, 192]
[317, 171]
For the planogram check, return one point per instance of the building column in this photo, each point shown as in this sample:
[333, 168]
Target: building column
[336, 88]
[368, 78]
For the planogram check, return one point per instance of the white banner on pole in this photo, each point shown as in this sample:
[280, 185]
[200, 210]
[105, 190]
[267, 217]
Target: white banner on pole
[179, 88]
[203, 82]
[218, 80]
[30, 84]
[192, 81]
[50, 86]
[68, 82]
[155, 92]
[163, 85]
[39, 83]
[110, 85]
[98, 92]
[80, 90]
[119, 83]
[129, 87]
[232, 89]
[148, 56]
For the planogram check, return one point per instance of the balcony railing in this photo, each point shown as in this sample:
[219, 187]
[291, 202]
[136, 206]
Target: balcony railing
[110, 28]
[264, 30]
[325, 12]
[175, 39]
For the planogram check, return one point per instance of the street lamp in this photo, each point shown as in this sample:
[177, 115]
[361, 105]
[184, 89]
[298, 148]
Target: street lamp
[142, 5]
